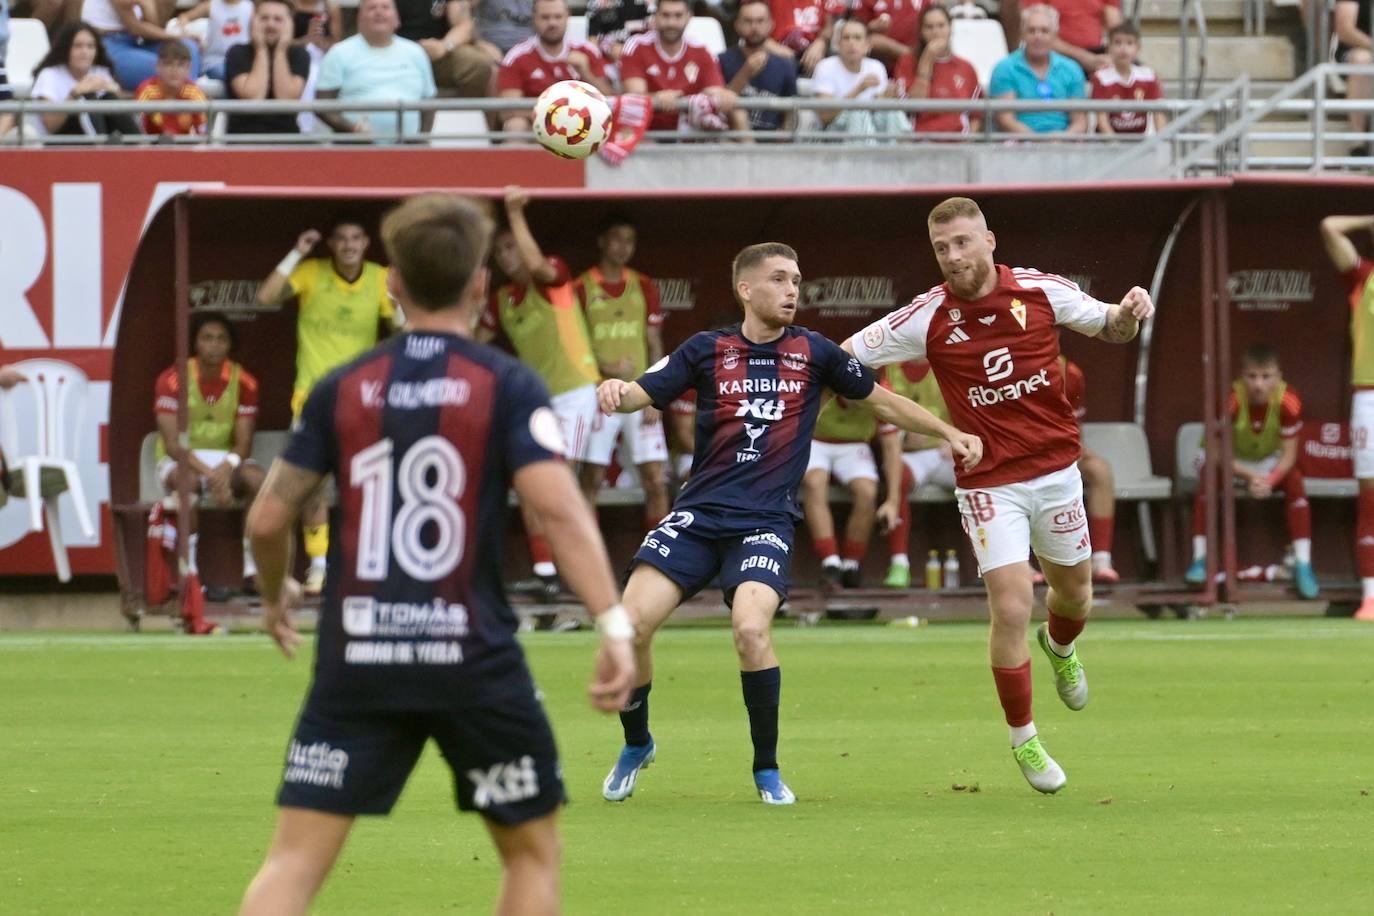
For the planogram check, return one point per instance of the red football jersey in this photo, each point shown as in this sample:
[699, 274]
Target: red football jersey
[691, 70]
[168, 384]
[1142, 85]
[906, 17]
[950, 78]
[797, 23]
[528, 68]
[997, 362]
[1075, 387]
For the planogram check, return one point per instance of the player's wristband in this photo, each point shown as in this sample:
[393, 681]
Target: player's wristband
[288, 263]
[614, 623]
[233, 458]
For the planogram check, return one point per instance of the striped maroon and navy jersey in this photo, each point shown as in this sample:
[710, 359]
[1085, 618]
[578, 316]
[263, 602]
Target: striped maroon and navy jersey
[756, 410]
[423, 435]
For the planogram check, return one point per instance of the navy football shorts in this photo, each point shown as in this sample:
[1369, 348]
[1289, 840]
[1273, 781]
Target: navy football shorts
[501, 751]
[689, 548]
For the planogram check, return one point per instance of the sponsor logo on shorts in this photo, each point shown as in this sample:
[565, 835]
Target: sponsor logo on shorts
[504, 783]
[981, 396]
[769, 538]
[316, 764]
[765, 563]
[366, 616]
[982, 535]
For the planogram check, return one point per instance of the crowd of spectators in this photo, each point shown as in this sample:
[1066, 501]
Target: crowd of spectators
[411, 50]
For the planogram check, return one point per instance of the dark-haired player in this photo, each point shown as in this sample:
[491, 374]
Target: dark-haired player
[758, 386]
[425, 434]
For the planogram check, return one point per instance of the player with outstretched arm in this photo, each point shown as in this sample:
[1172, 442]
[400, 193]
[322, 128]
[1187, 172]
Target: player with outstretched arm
[425, 434]
[989, 332]
[758, 386]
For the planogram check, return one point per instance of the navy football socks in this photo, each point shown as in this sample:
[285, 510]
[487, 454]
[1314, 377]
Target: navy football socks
[762, 690]
[634, 716]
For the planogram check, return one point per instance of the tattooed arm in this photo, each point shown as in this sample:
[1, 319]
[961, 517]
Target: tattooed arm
[270, 526]
[1123, 321]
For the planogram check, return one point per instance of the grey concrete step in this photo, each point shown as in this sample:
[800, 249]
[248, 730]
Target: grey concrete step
[1263, 57]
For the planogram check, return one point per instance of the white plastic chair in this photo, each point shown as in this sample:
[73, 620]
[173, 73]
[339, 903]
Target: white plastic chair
[28, 45]
[42, 472]
[979, 41]
[471, 123]
[708, 32]
[577, 30]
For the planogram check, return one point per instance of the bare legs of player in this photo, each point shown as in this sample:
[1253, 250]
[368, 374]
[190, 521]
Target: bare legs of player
[651, 478]
[1100, 501]
[307, 843]
[650, 598]
[751, 618]
[839, 565]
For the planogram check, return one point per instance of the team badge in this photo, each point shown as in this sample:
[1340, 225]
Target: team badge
[873, 336]
[982, 538]
[731, 359]
[1018, 311]
[794, 361]
[691, 71]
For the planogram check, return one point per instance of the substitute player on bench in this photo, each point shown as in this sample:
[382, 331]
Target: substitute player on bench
[1001, 378]
[759, 386]
[424, 435]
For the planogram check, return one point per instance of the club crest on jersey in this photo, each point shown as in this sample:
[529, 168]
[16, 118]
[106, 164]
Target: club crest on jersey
[794, 361]
[691, 71]
[1018, 311]
[956, 316]
[731, 359]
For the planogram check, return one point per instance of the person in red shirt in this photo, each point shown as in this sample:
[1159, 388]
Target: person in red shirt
[1264, 447]
[1125, 79]
[990, 334]
[893, 27]
[171, 84]
[663, 64]
[546, 58]
[1082, 23]
[1098, 482]
[935, 73]
[805, 27]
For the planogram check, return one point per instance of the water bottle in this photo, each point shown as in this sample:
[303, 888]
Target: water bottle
[951, 569]
[933, 570]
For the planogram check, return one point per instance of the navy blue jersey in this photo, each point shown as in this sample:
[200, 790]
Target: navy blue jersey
[756, 409]
[423, 434]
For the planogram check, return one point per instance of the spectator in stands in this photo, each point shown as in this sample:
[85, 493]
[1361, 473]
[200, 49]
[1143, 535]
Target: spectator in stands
[444, 28]
[54, 14]
[664, 64]
[77, 67]
[852, 74]
[342, 305]
[9, 377]
[1082, 25]
[221, 413]
[924, 461]
[894, 26]
[1352, 26]
[537, 63]
[376, 65]
[131, 31]
[502, 24]
[752, 69]
[171, 82]
[611, 23]
[804, 28]
[1036, 71]
[840, 449]
[625, 323]
[317, 25]
[268, 67]
[1125, 79]
[229, 26]
[6, 120]
[1267, 416]
[933, 72]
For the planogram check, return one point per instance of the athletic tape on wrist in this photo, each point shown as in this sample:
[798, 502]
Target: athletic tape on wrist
[288, 263]
[614, 623]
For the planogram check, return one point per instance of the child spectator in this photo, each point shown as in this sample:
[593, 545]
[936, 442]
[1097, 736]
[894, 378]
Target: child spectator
[852, 74]
[229, 24]
[1125, 79]
[933, 72]
[171, 83]
[1267, 414]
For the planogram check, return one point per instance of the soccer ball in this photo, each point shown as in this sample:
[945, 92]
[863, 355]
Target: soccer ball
[572, 119]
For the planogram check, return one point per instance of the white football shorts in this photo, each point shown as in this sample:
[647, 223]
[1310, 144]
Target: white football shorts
[576, 411]
[845, 461]
[1362, 433]
[933, 466]
[1044, 514]
[641, 442]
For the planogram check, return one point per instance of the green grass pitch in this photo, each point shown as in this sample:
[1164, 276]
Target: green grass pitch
[1221, 767]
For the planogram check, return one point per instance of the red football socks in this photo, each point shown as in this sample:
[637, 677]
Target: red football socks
[1014, 691]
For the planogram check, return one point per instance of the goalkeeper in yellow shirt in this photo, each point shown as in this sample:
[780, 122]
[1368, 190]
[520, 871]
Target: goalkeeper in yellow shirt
[341, 302]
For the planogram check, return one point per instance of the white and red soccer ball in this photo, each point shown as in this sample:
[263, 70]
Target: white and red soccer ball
[572, 119]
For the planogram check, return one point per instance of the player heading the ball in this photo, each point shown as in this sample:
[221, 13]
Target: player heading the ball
[758, 387]
[425, 434]
[990, 334]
